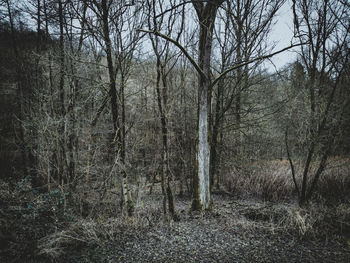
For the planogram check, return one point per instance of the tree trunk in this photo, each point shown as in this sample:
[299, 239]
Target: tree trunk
[201, 198]
[214, 142]
[117, 145]
[168, 198]
[127, 200]
[50, 157]
[62, 112]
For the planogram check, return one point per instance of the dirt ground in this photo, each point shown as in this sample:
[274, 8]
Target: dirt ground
[235, 231]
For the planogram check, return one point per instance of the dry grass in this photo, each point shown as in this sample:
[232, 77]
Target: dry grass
[251, 219]
[315, 222]
[269, 181]
[88, 232]
[98, 229]
[272, 181]
[334, 185]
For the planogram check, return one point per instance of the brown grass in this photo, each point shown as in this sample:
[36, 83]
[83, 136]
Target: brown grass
[272, 181]
[86, 232]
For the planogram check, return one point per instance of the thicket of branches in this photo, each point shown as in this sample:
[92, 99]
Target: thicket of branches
[101, 99]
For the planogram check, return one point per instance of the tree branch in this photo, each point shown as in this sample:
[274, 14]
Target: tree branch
[225, 72]
[172, 8]
[291, 163]
[184, 51]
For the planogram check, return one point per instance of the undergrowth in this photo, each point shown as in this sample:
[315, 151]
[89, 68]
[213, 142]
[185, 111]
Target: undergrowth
[45, 226]
[272, 181]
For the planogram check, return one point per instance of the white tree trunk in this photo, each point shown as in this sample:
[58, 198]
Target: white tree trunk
[203, 151]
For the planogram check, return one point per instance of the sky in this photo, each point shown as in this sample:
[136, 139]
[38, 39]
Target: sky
[282, 34]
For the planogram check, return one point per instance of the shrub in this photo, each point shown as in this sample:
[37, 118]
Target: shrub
[27, 216]
[272, 181]
[269, 181]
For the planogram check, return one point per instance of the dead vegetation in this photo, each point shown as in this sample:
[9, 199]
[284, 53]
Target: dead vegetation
[271, 181]
[236, 230]
[255, 219]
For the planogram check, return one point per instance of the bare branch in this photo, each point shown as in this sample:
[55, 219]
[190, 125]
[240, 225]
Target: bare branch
[223, 74]
[176, 43]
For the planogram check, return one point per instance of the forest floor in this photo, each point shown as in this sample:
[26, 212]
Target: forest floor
[235, 231]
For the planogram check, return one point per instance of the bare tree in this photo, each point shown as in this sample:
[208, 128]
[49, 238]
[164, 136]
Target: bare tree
[206, 14]
[165, 61]
[114, 32]
[245, 29]
[325, 26]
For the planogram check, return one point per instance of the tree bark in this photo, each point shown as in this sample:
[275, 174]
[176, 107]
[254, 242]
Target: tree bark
[201, 198]
[62, 112]
[115, 145]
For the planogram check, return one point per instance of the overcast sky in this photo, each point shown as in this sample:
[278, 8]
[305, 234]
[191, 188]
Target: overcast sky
[282, 33]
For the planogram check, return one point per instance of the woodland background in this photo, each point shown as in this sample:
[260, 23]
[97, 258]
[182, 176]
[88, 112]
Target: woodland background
[99, 119]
